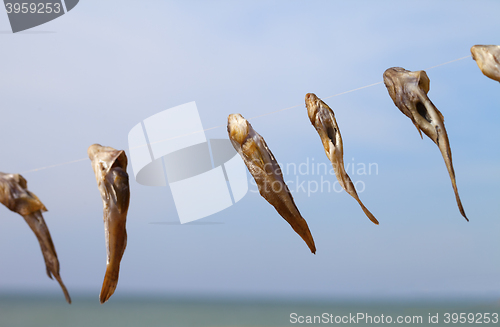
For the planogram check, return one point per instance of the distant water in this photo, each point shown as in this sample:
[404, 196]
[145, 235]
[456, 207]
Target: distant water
[85, 312]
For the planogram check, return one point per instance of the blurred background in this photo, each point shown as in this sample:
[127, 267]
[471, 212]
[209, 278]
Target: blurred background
[94, 73]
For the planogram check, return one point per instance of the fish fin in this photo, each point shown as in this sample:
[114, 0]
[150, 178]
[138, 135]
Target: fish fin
[436, 131]
[112, 272]
[39, 227]
[65, 291]
[109, 284]
[21, 181]
[368, 213]
[449, 165]
[300, 226]
[351, 189]
[445, 148]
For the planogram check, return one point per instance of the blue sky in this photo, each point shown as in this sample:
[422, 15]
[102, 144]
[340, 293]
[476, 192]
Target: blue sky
[91, 75]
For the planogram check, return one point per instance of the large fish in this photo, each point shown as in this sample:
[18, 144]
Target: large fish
[110, 167]
[267, 173]
[409, 91]
[14, 194]
[487, 58]
[323, 119]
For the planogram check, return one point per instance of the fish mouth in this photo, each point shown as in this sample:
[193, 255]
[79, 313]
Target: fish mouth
[478, 52]
[473, 52]
[487, 58]
[312, 105]
[311, 98]
[93, 149]
[237, 127]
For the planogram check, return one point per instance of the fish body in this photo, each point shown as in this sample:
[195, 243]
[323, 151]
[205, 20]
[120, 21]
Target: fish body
[267, 174]
[14, 194]
[487, 58]
[323, 120]
[409, 91]
[110, 167]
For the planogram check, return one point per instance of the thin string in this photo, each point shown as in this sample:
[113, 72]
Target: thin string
[449, 62]
[52, 166]
[259, 116]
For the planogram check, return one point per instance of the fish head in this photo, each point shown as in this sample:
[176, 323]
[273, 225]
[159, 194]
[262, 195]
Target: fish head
[14, 194]
[238, 128]
[313, 103]
[487, 58]
[93, 150]
[108, 156]
[409, 91]
[317, 107]
[104, 159]
[323, 120]
[400, 81]
[478, 54]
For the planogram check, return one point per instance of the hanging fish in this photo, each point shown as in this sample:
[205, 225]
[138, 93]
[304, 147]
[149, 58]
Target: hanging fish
[110, 167]
[487, 58]
[409, 91]
[323, 119]
[267, 173]
[14, 195]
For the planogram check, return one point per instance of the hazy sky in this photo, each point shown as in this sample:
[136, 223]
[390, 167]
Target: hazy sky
[94, 73]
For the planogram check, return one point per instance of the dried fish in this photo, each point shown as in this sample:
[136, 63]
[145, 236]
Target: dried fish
[409, 91]
[267, 173]
[14, 194]
[323, 119]
[110, 168]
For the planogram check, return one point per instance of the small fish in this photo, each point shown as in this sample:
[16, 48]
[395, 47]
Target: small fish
[323, 119]
[487, 58]
[110, 167]
[14, 194]
[409, 91]
[267, 173]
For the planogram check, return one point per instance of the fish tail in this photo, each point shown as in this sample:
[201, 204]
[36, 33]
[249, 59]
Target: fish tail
[65, 291]
[301, 228]
[307, 237]
[349, 187]
[37, 224]
[110, 283]
[457, 197]
[367, 212]
[444, 147]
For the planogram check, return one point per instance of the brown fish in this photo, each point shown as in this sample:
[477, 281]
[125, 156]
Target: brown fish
[267, 173]
[110, 167]
[323, 119]
[487, 58]
[409, 91]
[14, 194]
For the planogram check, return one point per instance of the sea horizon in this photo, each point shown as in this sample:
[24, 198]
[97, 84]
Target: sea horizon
[217, 310]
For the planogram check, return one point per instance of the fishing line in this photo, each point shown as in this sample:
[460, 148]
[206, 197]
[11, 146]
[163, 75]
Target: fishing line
[259, 116]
